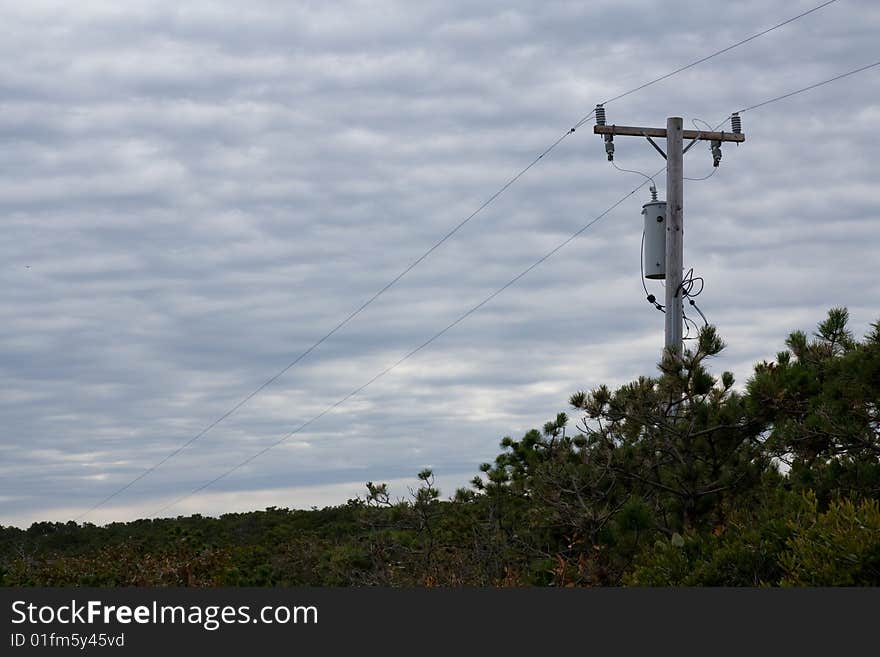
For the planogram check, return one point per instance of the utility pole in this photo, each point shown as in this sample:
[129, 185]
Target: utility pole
[674, 156]
[674, 235]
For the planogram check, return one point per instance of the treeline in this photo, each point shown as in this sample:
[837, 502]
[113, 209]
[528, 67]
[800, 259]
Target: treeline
[676, 479]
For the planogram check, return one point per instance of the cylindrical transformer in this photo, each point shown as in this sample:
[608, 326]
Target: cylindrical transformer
[654, 253]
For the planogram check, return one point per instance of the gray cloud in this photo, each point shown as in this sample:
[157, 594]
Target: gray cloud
[193, 194]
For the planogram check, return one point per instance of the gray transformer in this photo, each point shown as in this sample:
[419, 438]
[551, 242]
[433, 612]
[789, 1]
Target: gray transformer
[654, 252]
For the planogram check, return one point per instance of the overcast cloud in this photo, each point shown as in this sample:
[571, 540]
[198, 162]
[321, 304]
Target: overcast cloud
[192, 193]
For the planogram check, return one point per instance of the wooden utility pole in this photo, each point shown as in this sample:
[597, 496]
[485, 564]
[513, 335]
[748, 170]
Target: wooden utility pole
[674, 156]
[674, 235]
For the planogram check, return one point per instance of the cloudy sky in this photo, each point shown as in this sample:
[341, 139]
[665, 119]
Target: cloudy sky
[193, 193]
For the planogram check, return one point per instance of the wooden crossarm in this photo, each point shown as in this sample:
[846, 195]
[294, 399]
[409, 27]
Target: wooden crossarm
[633, 131]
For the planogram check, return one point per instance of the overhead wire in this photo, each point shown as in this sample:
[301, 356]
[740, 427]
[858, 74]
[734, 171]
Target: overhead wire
[714, 168]
[689, 279]
[706, 177]
[428, 252]
[764, 103]
[413, 352]
[408, 355]
[719, 52]
[644, 175]
[686, 287]
[336, 328]
[810, 87]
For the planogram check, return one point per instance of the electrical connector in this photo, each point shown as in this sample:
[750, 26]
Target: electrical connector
[716, 152]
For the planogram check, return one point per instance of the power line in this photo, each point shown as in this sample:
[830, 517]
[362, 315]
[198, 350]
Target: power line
[471, 311]
[410, 354]
[415, 263]
[635, 171]
[812, 86]
[719, 52]
[426, 343]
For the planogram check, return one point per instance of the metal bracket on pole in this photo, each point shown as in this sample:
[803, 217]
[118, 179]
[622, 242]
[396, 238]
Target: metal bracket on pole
[654, 144]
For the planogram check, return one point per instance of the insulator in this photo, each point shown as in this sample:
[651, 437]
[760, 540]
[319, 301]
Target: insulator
[609, 147]
[736, 123]
[600, 115]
